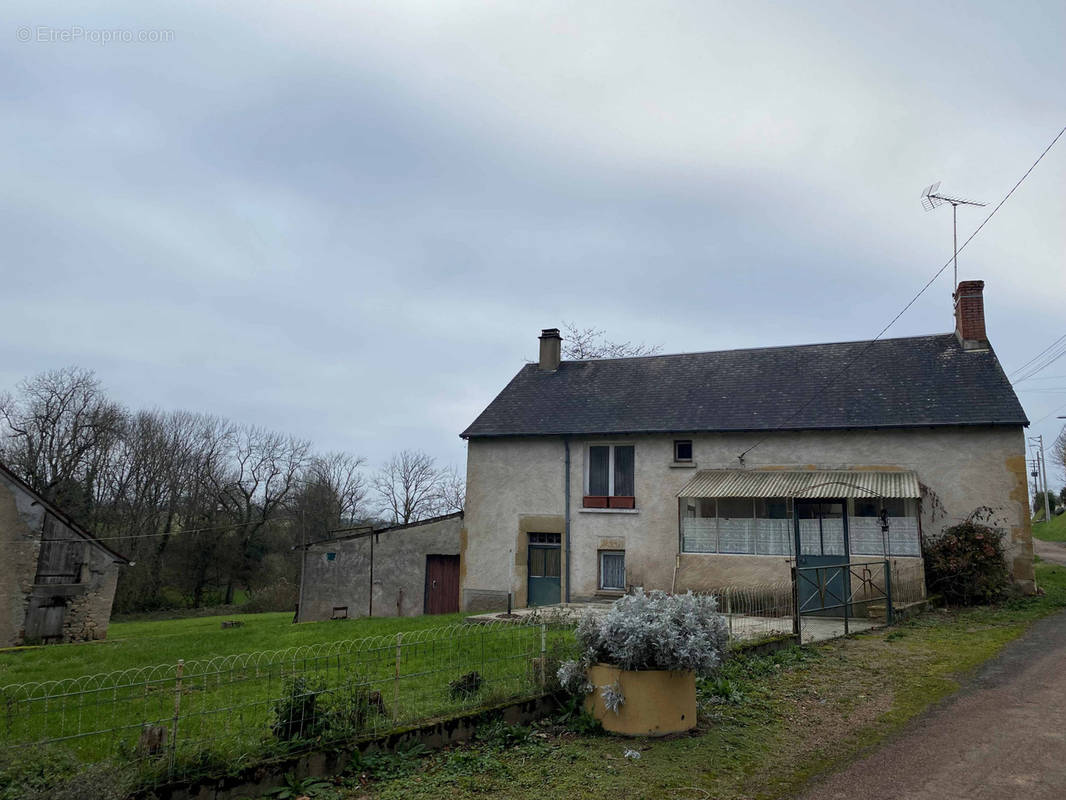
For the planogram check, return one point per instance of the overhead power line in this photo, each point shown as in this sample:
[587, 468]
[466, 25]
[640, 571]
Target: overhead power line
[912, 301]
[1034, 358]
[1053, 411]
[1043, 364]
[162, 533]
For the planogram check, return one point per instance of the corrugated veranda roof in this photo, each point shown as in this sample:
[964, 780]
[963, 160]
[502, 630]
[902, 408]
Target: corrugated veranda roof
[802, 483]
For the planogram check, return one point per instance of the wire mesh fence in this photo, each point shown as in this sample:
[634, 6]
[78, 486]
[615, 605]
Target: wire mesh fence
[192, 718]
[755, 611]
[179, 719]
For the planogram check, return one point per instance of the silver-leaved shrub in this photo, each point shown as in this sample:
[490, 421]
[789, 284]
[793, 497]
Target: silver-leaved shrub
[650, 631]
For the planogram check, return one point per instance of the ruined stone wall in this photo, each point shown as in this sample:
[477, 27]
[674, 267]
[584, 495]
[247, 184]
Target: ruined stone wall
[20, 546]
[89, 612]
[84, 606]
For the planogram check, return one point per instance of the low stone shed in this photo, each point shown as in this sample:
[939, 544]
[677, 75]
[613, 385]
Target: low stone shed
[58, 580]
[396, 571]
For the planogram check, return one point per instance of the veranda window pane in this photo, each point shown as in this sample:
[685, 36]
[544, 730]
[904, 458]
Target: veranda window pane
[552, 562]
[699, 535]
[903, 539]
[773, 537]
[736, 535]
[871, 507]
[599, 466]
[771, 508]
[865, 536]
[623, 471]
[810, 537]
[832, 536]
[735, 508]
[536, 561]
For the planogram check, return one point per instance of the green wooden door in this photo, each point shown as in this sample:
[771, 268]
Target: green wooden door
[544, 587]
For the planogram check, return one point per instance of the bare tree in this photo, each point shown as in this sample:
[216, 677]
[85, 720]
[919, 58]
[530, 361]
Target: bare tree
[265, 468]
[332, 493]
[1058, 449]
[57, 433]
[408, 487]
[452, 491]
[580, 344]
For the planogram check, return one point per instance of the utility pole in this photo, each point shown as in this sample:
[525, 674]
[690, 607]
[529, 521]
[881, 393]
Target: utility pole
[1043, 472]
[1041, 465]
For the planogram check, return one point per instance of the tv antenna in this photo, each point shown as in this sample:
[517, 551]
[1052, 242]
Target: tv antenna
[931, 198]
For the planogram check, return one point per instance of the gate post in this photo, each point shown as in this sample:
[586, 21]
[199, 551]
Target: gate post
[396, 678]
[890, 616]
[177, 714]
[797, 627]
[543, 655]
[845, 590]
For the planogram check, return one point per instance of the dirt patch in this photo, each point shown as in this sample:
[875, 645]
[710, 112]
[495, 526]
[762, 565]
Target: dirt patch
[1055, 552]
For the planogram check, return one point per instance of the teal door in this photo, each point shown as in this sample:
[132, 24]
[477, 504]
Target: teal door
[822, 548]
[544, 586]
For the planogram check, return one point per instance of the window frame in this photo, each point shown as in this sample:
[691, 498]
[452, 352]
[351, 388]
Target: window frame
[691, 452]
[699, 505]
[610, 468]
[601, 583]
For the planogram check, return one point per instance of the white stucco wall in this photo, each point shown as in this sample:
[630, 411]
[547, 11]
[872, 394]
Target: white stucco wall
[515, 485]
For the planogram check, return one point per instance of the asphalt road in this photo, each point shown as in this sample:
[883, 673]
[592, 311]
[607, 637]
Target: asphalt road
[1003, 736]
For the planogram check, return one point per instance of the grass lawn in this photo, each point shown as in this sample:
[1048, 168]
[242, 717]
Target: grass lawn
[1054, 531]
[330, 680]
[143, 644]
[790, 717]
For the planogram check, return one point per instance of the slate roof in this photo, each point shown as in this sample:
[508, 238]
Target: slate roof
[897, 383]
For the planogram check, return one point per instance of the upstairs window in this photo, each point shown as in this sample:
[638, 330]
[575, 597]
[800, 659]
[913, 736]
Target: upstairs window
[682, 450]
[609, 477]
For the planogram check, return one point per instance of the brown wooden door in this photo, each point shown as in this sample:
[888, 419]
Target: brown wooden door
[44, 620]
[61, 557]
[442, 584]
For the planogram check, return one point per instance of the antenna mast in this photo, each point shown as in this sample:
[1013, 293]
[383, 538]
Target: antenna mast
[931, 198]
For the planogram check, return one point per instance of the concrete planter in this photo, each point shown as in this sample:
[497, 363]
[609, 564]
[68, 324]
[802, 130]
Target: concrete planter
[657, 702]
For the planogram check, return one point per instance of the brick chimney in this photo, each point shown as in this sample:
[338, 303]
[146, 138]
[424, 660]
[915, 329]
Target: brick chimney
[970, 315]
[551, 346]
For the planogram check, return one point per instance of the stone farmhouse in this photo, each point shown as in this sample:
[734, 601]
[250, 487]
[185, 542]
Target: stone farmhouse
[59, 580]
[703, 470]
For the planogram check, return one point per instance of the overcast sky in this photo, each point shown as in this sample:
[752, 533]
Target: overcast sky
[349, 221]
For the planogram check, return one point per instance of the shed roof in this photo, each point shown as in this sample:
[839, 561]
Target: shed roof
[359, 531]
[890, 383]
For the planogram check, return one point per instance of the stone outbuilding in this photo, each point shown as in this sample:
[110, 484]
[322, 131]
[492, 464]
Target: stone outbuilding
[59, 579]
[396, 571]
[707, 470]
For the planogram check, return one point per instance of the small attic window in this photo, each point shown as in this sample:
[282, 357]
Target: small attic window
[682, 450]
[331, 556]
